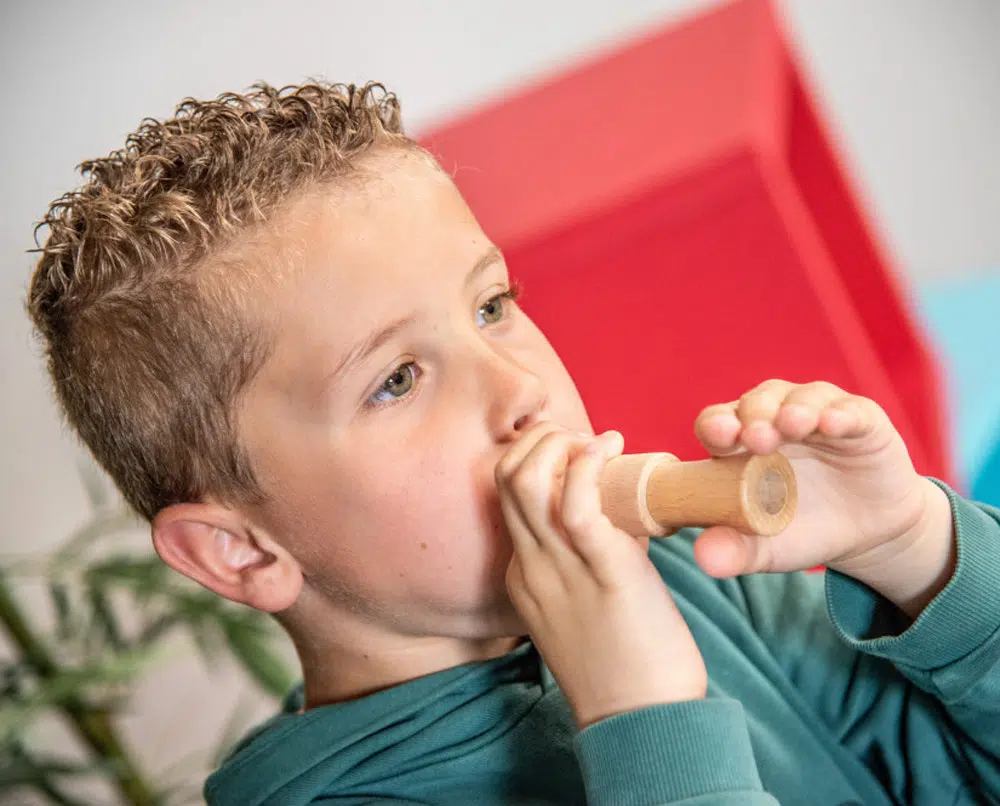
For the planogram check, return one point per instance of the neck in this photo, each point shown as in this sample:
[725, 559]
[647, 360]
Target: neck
[361, 657]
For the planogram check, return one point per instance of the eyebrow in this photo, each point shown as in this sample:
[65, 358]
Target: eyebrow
[370, 343]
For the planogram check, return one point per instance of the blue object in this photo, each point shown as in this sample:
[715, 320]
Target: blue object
[964, 320]
[986, 485]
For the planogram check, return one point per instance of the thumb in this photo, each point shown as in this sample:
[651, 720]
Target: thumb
[722, 552]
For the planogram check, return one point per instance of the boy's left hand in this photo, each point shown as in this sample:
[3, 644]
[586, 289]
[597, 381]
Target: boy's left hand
[863, 510]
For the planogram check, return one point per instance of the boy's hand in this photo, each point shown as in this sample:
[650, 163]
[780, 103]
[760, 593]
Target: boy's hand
[863, 510]
[594, 604]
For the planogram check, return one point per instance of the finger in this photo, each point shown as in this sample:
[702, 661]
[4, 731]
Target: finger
[853, 417]
[521, 534]
[538, 483]
[522, 596]
[547, 564]
[718, 429]
[763, 401]
[587, 527]
[842, 419]
[800, 411]
[523, 539]
[532, 576]
[756, 411]
[512, 459]
[724, 552]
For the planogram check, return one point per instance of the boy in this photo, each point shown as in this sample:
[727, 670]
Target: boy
[279, 328]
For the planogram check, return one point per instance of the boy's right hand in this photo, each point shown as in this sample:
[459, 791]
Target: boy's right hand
[594, 604]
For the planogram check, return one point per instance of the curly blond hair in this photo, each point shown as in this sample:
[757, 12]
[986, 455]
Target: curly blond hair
[139, 309]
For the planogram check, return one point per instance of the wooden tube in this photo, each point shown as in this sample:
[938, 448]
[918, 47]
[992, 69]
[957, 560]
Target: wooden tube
[655, 494]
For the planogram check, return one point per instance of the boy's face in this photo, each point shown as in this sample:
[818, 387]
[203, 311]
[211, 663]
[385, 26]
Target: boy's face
[400, 376]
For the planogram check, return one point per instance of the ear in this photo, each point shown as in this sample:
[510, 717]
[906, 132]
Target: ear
[214, 546]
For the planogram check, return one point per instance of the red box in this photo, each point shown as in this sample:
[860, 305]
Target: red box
[683, 230]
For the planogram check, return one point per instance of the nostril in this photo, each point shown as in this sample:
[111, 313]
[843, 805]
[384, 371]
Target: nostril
[525, 421]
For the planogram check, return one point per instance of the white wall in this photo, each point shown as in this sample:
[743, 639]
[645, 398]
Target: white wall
[913, 87]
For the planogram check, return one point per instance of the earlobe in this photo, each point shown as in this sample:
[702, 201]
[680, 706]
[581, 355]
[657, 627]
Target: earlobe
[212, 545]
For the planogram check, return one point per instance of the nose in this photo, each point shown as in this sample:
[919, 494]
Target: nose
[518, 397]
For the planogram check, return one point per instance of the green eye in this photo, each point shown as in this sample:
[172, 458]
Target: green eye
[396, 385]
[492, 311]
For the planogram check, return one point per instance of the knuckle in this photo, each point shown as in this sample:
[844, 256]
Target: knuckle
[870, 406]
[591, 542]
[520, 596]
[803, 396]
[504, 469]
[824, 388]
[552, 439]
[576, 519]
[711, 411]
[757, 402]
[772, 383]
[538, 466]
[513, 458]
[515, 584]
[537, 579]
[528, 478]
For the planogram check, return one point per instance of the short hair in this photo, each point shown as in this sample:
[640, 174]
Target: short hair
[139, 309]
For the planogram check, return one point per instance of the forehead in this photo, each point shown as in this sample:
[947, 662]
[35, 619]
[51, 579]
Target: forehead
[399, 215]
[363, 252]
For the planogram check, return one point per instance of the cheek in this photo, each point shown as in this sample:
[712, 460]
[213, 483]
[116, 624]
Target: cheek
[440, 503]
[422, 521]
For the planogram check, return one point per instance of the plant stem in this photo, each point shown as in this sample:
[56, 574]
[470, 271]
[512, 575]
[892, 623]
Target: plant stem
[93, 725]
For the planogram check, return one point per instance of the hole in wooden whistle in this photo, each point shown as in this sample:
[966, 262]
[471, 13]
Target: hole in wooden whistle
[771, 492]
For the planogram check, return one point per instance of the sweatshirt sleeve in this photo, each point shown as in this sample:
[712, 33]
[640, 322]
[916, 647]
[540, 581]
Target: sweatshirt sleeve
[918, 701]
[682, 754]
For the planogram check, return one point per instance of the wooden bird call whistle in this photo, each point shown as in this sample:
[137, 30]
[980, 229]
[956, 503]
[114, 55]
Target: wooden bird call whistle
[655, 494]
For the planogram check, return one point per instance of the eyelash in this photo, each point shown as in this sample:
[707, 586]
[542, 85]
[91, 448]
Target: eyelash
[512, 294]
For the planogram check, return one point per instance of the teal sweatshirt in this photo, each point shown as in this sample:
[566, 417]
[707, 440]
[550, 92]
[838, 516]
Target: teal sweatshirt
[819, 694]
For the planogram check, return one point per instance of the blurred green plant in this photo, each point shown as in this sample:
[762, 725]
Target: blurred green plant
[113, 611]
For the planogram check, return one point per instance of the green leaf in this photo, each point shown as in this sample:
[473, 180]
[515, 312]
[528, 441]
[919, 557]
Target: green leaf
[93, 684]
[123, 667]
[147, 571]
[21, 769]
[49, 788]
[14, 677]
[24, 769]
[59, 593]
[16, 718]
[156, 629]
[105, 620]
